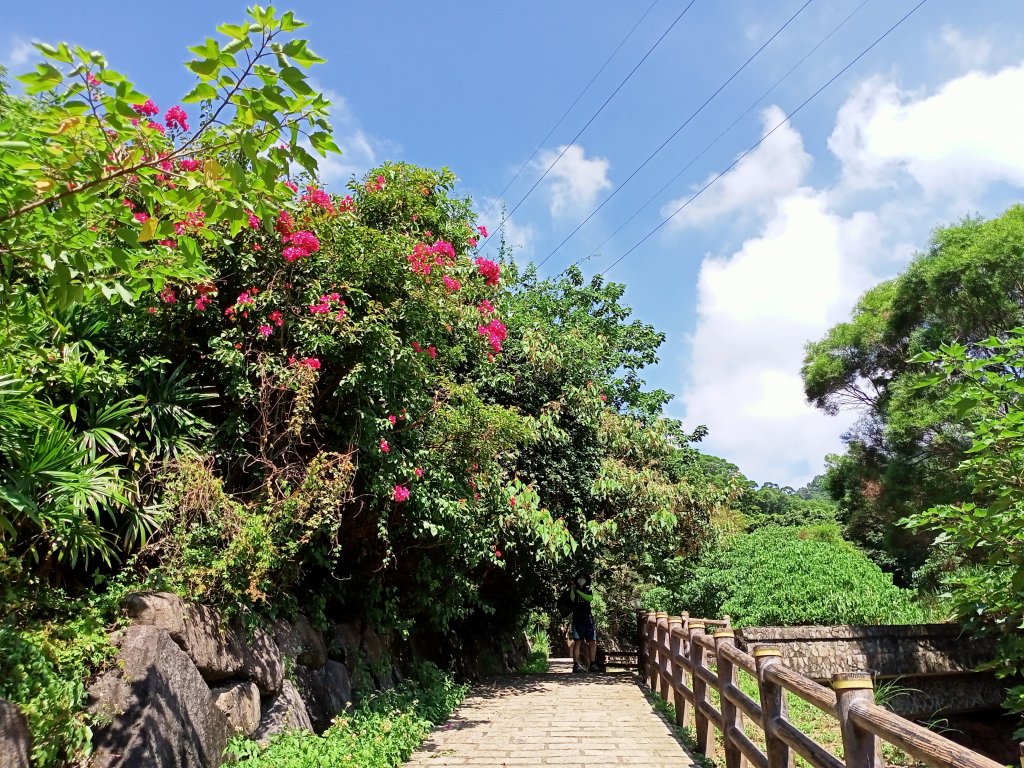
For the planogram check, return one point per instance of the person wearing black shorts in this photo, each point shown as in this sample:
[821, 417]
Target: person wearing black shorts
[584, 630]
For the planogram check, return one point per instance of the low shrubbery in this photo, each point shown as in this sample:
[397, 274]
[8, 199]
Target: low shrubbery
[787, 576]
[379, 733]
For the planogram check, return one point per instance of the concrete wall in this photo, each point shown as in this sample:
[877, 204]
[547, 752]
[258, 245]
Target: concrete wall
[933, 665]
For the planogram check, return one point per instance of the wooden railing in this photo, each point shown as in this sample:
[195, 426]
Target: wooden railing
[682, 662]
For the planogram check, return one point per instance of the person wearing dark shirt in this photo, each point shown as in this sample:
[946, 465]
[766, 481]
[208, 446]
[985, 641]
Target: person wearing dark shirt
[584, 630]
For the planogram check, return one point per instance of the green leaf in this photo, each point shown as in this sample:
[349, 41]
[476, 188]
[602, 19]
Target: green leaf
[202, 92]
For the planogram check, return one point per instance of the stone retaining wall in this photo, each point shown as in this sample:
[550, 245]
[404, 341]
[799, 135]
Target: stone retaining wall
[932, 666]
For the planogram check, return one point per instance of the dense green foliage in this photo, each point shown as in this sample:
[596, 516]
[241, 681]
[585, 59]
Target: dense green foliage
[380, 733]
[901, 455]
[220, 379]
[786, 576]
[986, 533]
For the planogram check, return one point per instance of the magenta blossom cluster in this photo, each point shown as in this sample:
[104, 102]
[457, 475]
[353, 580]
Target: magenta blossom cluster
[300, 245]
[485, 308]
[451, 283]
[489, 269]
[425, 257]
[148, 109]
[323, 306]
[319, 198]
[176, 118]
[495, 332]
[191, 164]
[400, 493]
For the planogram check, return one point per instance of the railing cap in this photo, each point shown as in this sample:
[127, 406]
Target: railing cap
[763, 651]
[723, 633]
[852, 681]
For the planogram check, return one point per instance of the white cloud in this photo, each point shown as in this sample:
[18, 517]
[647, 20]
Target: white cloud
[775, 168]
[966, 52]
[575, 181]
[908, 161]
[756, 309]
[962, 138]
[19, 52]
[360, 151]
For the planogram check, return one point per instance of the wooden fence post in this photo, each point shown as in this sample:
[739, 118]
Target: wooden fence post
[684, 712]
[641, 642]
[704, 728]
[675, 643]
[661, 669]
[861, 748]
[774, 706]
[652, 654]
[731, 716]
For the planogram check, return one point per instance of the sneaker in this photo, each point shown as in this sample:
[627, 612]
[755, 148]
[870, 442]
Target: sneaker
[577, 668]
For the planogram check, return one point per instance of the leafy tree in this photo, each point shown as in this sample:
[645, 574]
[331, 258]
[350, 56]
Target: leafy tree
[900, 455]
[984, 384]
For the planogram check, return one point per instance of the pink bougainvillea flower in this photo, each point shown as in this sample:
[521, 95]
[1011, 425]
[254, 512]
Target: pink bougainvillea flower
[393, 419]
[276, 317]
[266, 330]
[306, 362]
[418, 471]
[292, 186]
[141, 216]
[244, 298]
[432, 351]
[482, 230]
[168, 296]
[148, 109]
[346, 204]
[156, 127]
[416, 347]
[400, 493]
[316, 196]
[384, 447]
[284, 223]
[168, 242]
[293, 253]
[202, 302]
[190, 164]
[495, 332]
[489, 269]
[151, 310]
[451, 284]
[512, 501]
[485, 308]
[254, 220]
[604, 398]
[497, 553]
[193, 220]
[92, 80]
[305, 240]
[471, 242]
[176, 118]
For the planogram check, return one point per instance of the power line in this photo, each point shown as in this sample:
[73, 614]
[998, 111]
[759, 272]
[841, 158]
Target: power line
[593, 117]
[570, 108]
[782, 122]
[676, 132]
[732, 125]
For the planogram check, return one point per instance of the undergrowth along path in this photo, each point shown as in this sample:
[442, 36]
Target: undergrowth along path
[555, 719]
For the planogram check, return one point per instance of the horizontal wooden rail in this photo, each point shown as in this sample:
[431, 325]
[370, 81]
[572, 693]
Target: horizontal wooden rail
[685, 658]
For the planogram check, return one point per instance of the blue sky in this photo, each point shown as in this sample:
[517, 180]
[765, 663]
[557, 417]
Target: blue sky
[925, 129]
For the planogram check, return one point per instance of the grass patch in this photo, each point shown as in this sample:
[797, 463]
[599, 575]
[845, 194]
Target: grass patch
[537, 662]
[381, 733]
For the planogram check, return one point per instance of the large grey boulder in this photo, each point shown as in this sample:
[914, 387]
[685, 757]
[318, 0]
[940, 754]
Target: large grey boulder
[284, 712]
[157, 709]
[15, 741]
[240, 703]
[326, 692]
[345, 641]
[301, 642]
[263, 663]
[217, 650]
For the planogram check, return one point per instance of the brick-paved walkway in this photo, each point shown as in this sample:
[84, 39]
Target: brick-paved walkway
[554, 719]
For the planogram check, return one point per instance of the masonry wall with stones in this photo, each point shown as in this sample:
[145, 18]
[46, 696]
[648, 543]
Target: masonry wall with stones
[932, 666]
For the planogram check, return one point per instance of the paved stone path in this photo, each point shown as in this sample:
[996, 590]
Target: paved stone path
[555, 719]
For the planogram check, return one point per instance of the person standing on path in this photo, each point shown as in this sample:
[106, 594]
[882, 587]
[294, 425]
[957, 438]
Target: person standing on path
[584, 630]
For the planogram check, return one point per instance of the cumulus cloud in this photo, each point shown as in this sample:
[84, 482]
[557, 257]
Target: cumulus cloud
[775, 168]
[575, 181]
[19, 52]
[360, 150]
[956, 141]
[906, 160]
[966, 52]
[756, 309]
